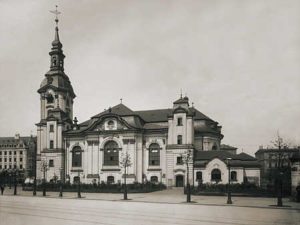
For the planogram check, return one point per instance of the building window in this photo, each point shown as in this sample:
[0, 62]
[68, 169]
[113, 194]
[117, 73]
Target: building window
[110, 125]
[5, 166]
[21, 166]
[5, 159]
[9, 167]
[111, 154]
[51, 128]
[10, 152]
[154, 179]
[233, 175]
[199, 176]
[179, 139]
[21, 152]
[0, 153]
[216, 175]
[51, 163]
[5, 153]
[15, 152]
[15, 160]
[154, 155]
[179, 121]
[0, 159]
[21, 159]
[0, 166]
[179, 160]
[50, 99]
[76, 157]
[15, 166]
[214, 147]
[110, 179]
[51, 144]
[9, 159]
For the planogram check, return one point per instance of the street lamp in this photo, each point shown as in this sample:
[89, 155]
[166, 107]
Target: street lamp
[186, 160]
[61, 183]
[78, 190]
[279, 197]
[15, 181]
[228, 186]
[44, 168]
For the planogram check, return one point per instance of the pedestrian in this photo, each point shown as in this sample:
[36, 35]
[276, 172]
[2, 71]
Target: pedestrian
[298, 193]
[2, 189]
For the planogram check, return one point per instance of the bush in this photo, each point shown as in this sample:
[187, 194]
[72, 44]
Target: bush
[101, 187]
[241, 189]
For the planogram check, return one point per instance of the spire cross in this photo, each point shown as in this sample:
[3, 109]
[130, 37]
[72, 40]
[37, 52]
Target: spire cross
[121, 99]
[180, 92]
[56, 12]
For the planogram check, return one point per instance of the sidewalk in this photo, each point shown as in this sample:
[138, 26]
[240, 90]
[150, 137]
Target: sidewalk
[169, 196]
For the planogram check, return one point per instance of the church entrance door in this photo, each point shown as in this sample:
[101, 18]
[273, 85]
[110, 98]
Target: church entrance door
[179, 181]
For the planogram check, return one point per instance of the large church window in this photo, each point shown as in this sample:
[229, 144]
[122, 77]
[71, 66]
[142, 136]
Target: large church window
[216, 175]
[77, 157]
[154, 155]
[111, 154]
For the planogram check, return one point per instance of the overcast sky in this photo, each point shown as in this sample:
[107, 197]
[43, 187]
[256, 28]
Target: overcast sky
[238, 61]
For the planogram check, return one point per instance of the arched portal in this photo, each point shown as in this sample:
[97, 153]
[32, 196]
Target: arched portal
[179, 181]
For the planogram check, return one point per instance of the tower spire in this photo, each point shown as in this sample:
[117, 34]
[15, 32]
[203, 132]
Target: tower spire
[56, 53]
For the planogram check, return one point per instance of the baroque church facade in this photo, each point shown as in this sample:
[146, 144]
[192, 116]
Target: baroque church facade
[156, 140]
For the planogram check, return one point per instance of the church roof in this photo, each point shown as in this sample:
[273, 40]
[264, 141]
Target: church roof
[242, 159]
[148, 116]
[119, 109]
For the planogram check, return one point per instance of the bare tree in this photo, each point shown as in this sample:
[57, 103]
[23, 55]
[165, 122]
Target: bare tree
[125, 163]
[281, 165]
[187, 159]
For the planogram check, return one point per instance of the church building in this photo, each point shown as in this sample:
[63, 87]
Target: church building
[157, 141]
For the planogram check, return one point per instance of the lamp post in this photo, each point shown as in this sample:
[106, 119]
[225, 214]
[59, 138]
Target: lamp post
[44, 168]
[61, 183]
[187, 158]
[279, 197]
[229, 201]
[78, 190]
[15, 182]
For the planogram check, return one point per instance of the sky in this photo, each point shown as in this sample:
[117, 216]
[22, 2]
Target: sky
[238, 61]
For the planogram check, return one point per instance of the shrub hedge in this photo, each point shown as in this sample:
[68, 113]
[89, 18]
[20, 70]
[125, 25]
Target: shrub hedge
[101, 187]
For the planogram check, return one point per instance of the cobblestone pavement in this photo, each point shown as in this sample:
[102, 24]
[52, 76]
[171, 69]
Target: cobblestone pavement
[23, 210]
[171, 196]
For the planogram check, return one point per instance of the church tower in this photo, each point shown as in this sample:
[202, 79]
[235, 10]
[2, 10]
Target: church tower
[56, 113]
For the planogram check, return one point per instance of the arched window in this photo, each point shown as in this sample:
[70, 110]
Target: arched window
[154, 179]
[214, 147]
[76, 157]
[233, 175]
[111, 154]
[49, 98]
[179, 139]
[216, 175]
[110, 179]
[154, 155]
[199, 176]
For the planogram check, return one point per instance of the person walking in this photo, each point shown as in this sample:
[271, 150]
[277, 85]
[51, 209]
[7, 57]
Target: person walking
[2, 189]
